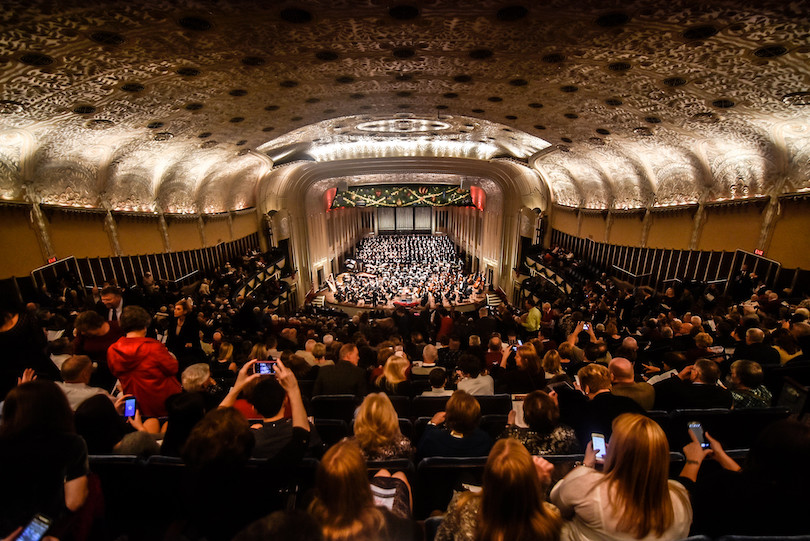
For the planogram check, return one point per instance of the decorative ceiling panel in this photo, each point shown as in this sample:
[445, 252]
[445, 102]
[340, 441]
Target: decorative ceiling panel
[157, 105]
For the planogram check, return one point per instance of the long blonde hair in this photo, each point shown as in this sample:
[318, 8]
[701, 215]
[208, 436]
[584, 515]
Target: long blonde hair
[512, 498]
[394, 371]
[376, 423]
[636, 471]
[343, 503]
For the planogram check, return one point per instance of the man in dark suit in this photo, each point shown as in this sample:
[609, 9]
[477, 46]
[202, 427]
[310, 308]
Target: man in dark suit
[756, 350]
[695, 387]
[595, 408]
[345, 377]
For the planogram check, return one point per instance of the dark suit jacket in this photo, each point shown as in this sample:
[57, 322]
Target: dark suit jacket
[764, 354]
[342, 378]
[675, 393]
[596, 415]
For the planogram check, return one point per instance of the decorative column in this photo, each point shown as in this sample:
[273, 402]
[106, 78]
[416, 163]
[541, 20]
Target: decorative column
[41, 228]
[646, 224]
[112, 231]
[164, 233]
[769, 219]
[201, 227]
[608, 225]
[697, 224]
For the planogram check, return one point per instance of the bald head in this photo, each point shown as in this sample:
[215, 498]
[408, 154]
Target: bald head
[754, 335]
[630, 343]
[621, 370]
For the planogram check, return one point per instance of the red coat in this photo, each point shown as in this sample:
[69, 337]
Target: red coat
[147, 370]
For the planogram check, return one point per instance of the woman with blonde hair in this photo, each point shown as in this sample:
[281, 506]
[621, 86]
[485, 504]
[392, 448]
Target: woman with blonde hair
[259, 352]
[552, 364]
[344, 501]
[224, 366]
[394, 378]
[511, 504]
[632, 498]
[376, 430]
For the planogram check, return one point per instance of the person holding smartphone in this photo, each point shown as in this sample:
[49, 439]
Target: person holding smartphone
[618, 503]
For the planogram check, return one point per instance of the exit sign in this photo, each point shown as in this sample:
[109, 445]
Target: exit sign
[759, 252]
[51, 260]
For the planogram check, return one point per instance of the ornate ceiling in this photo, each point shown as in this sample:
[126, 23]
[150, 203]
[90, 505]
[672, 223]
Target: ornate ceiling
[186, 106]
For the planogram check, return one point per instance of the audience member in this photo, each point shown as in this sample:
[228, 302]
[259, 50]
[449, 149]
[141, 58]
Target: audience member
[144, 366]
[545, 435]
[76, 374]
[438, 380]
[345, 377]
[376, 430]
[511, 504]
[745, 383]
[624, 384]
[632, 498]
[695, 387]
[461, 435]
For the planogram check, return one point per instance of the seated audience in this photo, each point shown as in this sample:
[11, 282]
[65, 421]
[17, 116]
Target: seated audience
[438, 380]
[376, 430]
[345, 377]
[77, 372]
[525, 377]
[595, 407]
[394, 378]
[511, 504]
[545, 434]
[344, 502]
[745, 383]
[623, 383]
[755, 349]
[552, 364]
[695, 387]
[632, 497]
[285, 439]
[473, 378]
[461, 435]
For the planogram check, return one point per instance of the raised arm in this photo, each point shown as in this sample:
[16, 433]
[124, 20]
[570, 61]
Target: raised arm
[287, 380]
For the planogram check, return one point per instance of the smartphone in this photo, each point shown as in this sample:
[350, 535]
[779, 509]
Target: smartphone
[36, 529]
[599, 446]
[697, 430]
[586, 326]
[520, 342]
[130, 404]
[266, 368]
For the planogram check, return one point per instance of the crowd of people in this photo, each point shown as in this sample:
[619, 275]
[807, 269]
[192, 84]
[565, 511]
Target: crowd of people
[218, 383]
[421, 270]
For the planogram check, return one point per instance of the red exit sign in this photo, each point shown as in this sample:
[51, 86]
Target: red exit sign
[51, 260]
[759, 252]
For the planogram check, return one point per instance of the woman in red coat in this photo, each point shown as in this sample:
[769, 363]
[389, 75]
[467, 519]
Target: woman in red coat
[145, 367]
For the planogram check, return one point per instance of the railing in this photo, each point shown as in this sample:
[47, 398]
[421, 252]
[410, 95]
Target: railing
[177, 267]
[658, 267]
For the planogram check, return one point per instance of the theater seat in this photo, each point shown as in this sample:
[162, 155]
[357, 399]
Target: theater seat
[427, 406]
[335, 406]
[437, 477]
[331, 431]
[495, 404]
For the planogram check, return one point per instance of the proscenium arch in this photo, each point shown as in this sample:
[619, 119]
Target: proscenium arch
[288, 188]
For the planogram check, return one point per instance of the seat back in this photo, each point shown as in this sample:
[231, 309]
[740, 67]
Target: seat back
[437, 477]
[402, 404]
[427, 406]
[335, 406]
[495, 404]
[331, 430]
